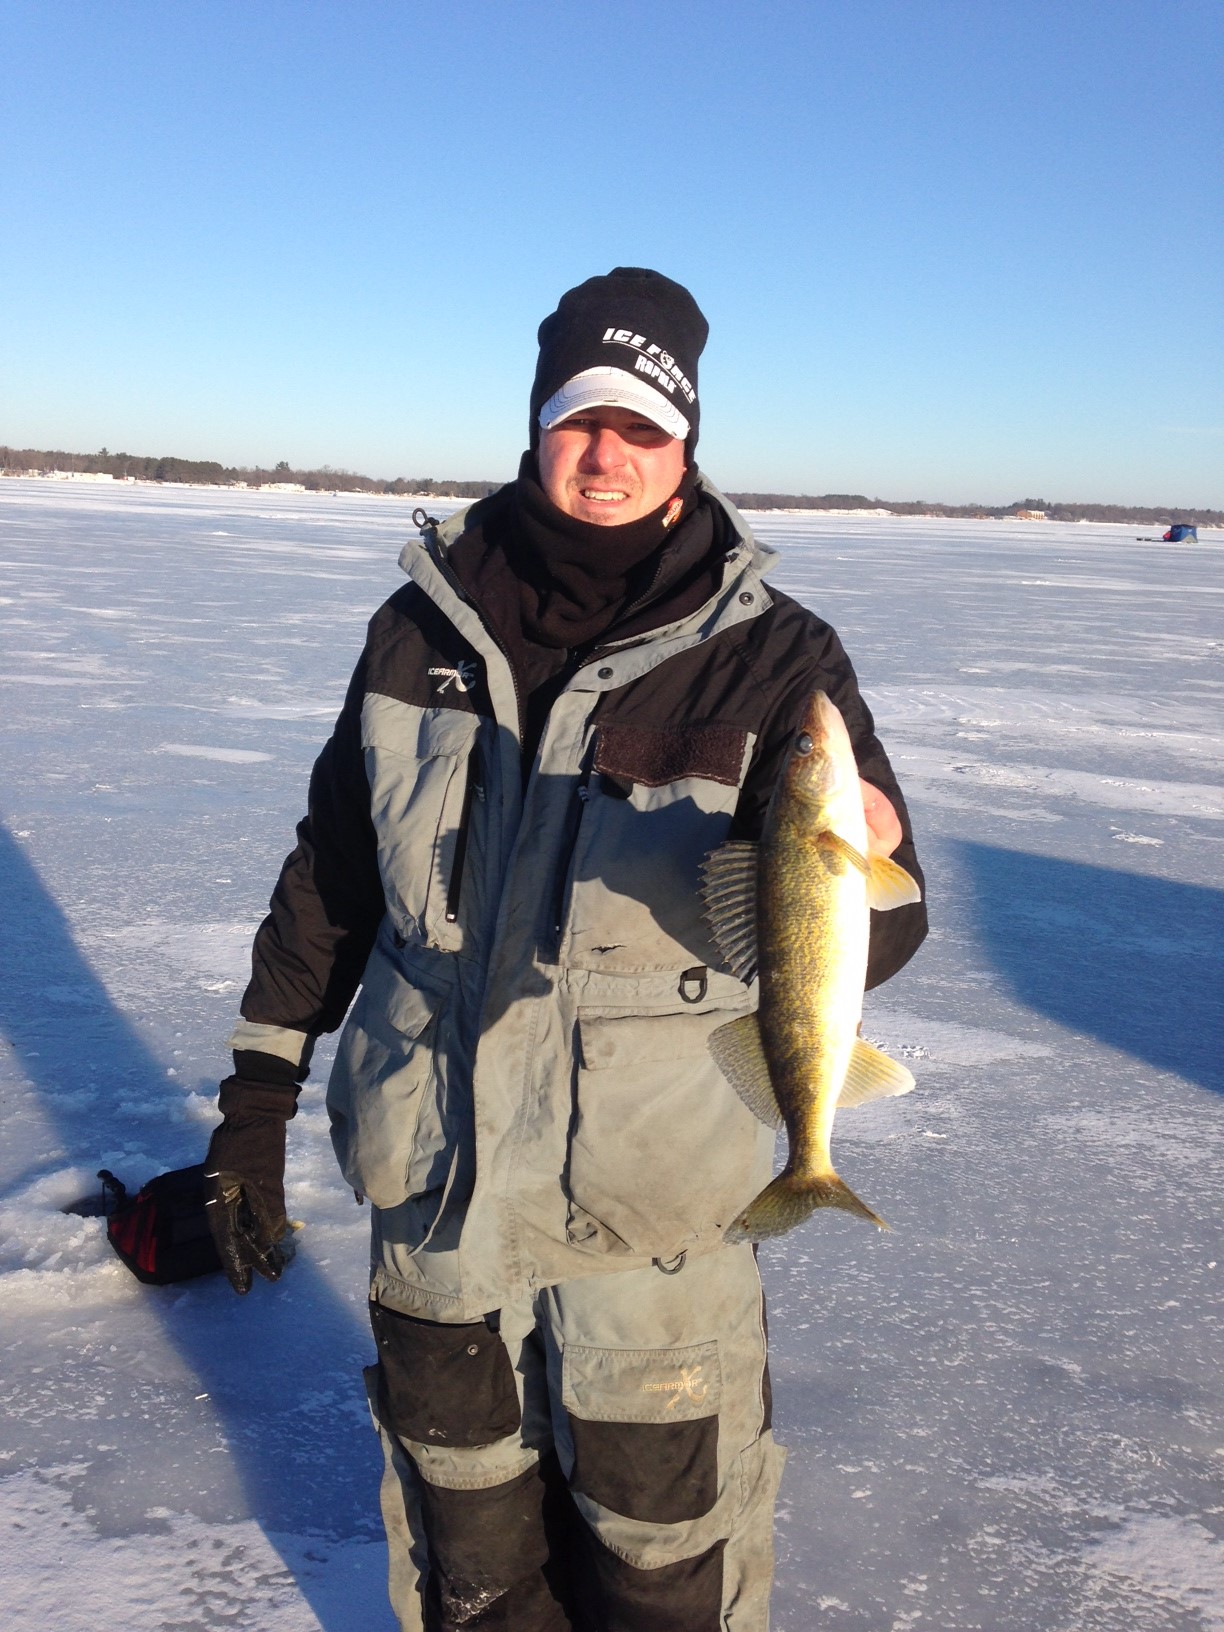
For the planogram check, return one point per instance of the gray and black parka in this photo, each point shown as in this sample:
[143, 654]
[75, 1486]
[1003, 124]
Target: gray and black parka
[523, 1087]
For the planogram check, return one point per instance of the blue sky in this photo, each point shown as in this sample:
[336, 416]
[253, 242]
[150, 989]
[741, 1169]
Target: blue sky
[952, 249]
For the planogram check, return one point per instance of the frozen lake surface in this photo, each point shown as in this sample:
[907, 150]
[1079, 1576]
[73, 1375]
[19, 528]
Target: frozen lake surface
[1004, 1416]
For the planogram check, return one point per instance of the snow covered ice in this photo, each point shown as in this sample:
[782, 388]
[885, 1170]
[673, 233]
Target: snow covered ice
[1003, 1416]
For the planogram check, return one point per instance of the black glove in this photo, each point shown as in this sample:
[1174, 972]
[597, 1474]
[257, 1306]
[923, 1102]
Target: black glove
[244, 1171]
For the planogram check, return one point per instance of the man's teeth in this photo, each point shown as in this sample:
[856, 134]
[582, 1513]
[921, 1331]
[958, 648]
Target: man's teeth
[604, 494]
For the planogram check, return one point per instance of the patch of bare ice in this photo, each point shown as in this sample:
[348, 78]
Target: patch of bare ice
[227, 756]
[1174, 1557]
[217, 953]
[922, 1042]
[932, 768]
[1138, 1141]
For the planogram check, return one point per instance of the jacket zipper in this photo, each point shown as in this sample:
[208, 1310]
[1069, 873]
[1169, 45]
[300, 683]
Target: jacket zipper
[471, 791]
[474, 788]
[561, 897]
[569, 846]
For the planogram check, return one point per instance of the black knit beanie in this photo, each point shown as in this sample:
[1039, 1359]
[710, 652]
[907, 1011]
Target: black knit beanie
[632, 319]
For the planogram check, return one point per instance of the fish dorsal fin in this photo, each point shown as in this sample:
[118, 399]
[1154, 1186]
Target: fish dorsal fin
[872, 1075]
[740, 1056]
[729, 890]
[888, 883]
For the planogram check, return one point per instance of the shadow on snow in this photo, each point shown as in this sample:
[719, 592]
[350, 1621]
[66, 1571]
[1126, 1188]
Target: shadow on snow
[1133, 961]
[258, 1358]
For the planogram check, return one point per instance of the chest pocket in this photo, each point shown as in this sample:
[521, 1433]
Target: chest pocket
[421, 764]
[657, 803]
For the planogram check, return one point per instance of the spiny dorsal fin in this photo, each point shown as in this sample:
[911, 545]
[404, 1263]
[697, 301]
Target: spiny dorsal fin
[738, 1054]
[729, 890]
[872, 1075]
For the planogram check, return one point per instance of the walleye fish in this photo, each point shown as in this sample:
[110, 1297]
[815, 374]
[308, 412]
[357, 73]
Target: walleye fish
[794, 909]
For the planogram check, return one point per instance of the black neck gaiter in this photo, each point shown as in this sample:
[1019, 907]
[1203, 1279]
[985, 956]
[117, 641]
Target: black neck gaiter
[553, 589]
[577, 578]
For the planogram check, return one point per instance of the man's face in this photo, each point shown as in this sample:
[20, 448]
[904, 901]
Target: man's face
[609, 466]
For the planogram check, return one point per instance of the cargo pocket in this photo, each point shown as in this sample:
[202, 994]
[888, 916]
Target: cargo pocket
[441, 1384]
[644, 1425]
[417, 766]
[663, 1153]
[382, 1096]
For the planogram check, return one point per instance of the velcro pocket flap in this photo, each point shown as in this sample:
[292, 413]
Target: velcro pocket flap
[624, 1040]
[641, 1385]
[639, 754]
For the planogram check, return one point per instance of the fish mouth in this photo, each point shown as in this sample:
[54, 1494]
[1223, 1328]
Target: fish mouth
[824, 722]
[824, 719]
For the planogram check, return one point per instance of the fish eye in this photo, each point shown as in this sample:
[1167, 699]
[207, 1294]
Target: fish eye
[803, 743]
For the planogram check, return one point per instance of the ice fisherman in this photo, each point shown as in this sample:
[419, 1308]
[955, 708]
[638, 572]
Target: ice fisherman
[583, 688]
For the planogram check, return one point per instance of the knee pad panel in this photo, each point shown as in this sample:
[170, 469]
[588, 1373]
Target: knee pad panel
[491, 1537]
[499, 1555]
[663, 1473]
[682, 1597]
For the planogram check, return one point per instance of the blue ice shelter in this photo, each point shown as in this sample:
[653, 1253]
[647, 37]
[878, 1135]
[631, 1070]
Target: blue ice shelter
[1180, 533]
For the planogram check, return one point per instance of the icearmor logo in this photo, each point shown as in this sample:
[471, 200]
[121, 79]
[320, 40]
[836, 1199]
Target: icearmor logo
[464, 677]
[690, 1384]
[653, 361]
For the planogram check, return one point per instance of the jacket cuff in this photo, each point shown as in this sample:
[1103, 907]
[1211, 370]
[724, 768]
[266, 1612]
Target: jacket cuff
[238, 1098]
[255, 1067]
[285, 1044]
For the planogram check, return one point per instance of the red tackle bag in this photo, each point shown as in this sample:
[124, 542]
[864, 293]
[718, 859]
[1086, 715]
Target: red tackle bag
[162, 1233]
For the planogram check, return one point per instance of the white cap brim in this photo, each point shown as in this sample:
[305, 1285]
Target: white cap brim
[613, 388]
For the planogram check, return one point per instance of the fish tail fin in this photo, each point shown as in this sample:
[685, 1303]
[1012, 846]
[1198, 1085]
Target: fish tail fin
[789, 1200]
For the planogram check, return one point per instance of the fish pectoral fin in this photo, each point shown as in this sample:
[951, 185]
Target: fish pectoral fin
[872, 1075]
[828, 840]
[729, 890]
[740, 1055]
[889, 885]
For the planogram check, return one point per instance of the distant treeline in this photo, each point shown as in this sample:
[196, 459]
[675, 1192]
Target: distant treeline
[1135, 515]
[169, 468]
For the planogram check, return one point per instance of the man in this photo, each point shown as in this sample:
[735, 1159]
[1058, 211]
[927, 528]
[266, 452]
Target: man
[584, 688]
